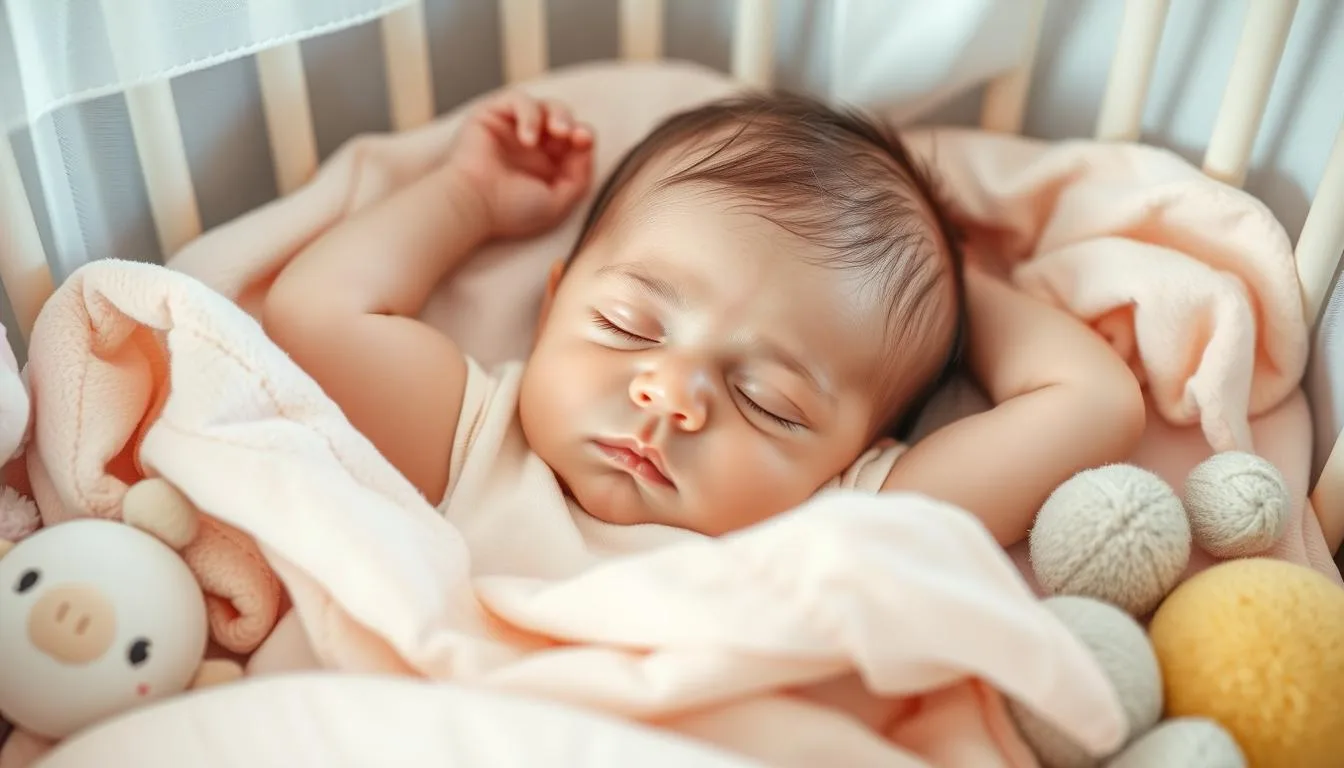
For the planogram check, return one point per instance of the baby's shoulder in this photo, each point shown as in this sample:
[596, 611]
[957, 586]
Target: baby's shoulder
[869, 471]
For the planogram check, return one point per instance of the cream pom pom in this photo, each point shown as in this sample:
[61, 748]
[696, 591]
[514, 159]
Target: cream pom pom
[1117, 533]
[1122, 650]
[1238, 504]
[18, 515]
[155, 506]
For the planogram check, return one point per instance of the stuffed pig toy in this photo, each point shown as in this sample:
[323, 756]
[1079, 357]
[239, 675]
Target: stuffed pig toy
[99, 616]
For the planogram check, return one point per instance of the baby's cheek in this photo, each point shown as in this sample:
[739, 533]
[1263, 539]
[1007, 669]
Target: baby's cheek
[748, 479]
[567, 394]
[562, 373]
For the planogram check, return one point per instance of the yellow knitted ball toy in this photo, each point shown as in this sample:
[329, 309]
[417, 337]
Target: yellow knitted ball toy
[1258, 646]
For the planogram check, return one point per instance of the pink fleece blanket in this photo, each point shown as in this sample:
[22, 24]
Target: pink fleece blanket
[898, 609]
[1193, 282]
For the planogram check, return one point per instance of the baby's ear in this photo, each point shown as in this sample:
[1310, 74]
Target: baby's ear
[153, 505]
[552, 285]
[5, 546]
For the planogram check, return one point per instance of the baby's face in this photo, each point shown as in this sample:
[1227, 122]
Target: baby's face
[692, 369]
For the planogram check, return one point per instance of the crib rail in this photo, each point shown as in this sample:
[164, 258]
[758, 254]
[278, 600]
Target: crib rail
[523, 28]
[1004, 105]
[289, 116]
[284, 100]
[1121, 114]
[23, 265]
[1264, 34]
[523, 24]
[641, 30]
[754, 42]
[410, 86]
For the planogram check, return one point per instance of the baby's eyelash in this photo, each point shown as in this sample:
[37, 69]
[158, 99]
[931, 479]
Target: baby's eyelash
[783, 422]
[601, 321]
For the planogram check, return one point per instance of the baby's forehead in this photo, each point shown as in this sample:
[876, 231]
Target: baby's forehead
[738, 275]
[776, 251]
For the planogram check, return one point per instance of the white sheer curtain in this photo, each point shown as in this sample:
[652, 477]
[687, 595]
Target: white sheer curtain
[909, 57]
[63, 61]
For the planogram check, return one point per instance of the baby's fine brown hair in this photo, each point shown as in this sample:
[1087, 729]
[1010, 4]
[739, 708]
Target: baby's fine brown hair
[842, 182]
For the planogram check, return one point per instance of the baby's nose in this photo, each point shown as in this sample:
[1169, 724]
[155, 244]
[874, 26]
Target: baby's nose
[73, 624]
[672, 394]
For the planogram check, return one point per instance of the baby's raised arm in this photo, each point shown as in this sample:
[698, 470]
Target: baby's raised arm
[346, 308]
[1064, 402]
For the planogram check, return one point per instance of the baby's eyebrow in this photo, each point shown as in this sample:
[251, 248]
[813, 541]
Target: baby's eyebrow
[653, 284]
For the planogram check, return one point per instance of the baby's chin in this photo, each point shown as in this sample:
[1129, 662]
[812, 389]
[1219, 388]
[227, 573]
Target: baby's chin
[610, 497]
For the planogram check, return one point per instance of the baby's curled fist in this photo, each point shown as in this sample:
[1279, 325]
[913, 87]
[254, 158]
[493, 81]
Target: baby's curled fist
[528, 158]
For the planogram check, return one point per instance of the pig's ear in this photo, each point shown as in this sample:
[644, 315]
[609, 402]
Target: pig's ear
[155, 506]
[5, 546]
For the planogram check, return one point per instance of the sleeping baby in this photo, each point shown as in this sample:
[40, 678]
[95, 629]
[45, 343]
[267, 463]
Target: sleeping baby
[762, 296]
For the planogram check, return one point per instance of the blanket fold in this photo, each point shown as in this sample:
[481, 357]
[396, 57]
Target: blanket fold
[908, 595]
[1193, 282]
[98, 384]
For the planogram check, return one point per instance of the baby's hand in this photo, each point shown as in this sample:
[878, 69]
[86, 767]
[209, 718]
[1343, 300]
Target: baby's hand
[528, 158]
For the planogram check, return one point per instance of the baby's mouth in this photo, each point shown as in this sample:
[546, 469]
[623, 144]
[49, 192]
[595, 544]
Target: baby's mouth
[638, 461]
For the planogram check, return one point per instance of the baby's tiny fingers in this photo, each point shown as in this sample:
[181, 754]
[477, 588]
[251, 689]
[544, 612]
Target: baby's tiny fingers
[582, 136]
[527, 115]
[559, 121]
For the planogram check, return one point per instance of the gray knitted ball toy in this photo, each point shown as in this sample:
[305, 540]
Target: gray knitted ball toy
[1185, 742]
[1120, 534]
[1238, 504]
[1117, 533]
[1124, 653]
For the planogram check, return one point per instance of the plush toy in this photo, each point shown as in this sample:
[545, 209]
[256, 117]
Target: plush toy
[18, 514]
[1250, 651]
[1122, 650]
[1127, 657]
[1184, 742]
[1121, 535]
[98, 616]
[1258, 646]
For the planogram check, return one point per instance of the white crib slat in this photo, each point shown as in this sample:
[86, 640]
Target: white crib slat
[155, 128]
[1319, 249]
[163, 160]
[523, 26]
[23, 264]
[1004, 105]
[410, 84]
[1263, 35]
[289, 117]
[641, 30]
[754, 42]
[1121, 115]
[1327, 497]
[1321, 243]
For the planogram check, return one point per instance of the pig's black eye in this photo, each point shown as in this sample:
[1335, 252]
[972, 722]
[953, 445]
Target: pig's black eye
[138, 653]
[27, 581]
